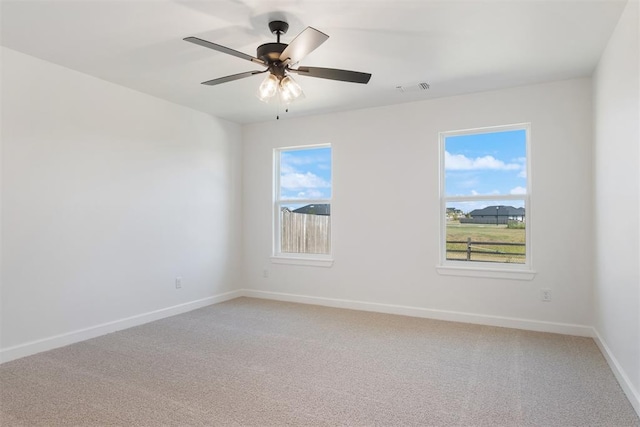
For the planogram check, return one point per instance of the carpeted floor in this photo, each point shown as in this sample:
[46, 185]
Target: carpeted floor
[257, 362]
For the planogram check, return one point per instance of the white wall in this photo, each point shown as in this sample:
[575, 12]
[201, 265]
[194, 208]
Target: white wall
[385, 208]
[108, 195]
[616, 89]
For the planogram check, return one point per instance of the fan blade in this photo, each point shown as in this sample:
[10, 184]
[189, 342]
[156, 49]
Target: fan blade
[304, 43]
[333, 74]
[232, 77]
[224, 49]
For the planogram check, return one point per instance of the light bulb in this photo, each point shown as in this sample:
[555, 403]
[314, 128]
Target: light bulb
[289, 90]
[268, 88]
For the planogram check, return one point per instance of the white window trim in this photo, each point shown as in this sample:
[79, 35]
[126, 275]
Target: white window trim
[481, 269]
[312, 260]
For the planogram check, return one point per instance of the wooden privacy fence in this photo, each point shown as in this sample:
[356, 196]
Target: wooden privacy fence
[305, 233]
[498, 252]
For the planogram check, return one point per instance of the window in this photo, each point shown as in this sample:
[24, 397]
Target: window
[302, 204]
[485, 199]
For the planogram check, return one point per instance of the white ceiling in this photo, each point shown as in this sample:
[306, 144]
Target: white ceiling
[455, 46]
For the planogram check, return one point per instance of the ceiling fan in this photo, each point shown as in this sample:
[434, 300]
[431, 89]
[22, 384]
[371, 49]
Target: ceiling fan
[280, 60]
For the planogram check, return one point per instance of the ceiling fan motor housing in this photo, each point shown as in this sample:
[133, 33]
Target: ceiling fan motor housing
[270, 52]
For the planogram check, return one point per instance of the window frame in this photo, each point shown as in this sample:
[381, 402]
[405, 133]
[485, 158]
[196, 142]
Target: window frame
[486, 269]
[279, 257]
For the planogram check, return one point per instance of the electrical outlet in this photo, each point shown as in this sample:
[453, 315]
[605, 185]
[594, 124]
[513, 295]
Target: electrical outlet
[265, 273]
[545, 295]
[178, 282]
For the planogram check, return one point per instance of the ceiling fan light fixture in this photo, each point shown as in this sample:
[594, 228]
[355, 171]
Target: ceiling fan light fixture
[278, 59]
[290, 90]
[268, 88]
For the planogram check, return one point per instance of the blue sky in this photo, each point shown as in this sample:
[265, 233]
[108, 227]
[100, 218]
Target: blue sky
[486, 164]
[305, 174]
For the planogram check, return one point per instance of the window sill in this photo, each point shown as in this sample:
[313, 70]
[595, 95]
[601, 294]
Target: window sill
[495, 273]
[311, 262]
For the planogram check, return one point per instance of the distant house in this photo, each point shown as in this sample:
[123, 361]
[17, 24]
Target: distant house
[454, 213]
[494, 215]
[315, 209]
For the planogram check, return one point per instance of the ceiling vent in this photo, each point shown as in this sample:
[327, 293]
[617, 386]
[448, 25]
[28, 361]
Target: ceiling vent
[416, 87]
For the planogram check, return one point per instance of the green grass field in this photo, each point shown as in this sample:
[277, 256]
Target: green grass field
[480, 233]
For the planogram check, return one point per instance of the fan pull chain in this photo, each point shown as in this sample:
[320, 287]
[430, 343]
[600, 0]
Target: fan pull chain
[278, 116]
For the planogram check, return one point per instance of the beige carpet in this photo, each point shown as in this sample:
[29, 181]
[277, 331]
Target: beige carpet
[255, 362]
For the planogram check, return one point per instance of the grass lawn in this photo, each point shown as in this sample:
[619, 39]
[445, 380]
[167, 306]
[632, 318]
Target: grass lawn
[480, 233]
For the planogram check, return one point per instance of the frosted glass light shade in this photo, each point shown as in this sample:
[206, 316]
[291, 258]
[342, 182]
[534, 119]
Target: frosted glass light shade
[268, 88]
[289, 90]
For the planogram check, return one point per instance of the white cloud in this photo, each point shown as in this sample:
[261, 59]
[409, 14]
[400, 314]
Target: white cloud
[286, 168]
[307, 180]
[310, 194]
[523, 172]
[518, 190]
[462, 162]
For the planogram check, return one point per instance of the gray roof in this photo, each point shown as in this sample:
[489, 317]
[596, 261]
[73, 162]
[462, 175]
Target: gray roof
[315, 209]
[501, 211]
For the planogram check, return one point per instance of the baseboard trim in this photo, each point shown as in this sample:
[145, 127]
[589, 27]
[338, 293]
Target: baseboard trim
[632, 394]
[452, 316]
[50, 343]
[507, 322]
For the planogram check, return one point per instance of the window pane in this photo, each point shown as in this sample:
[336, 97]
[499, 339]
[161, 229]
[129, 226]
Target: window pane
[486, 231]
[305, 174]
[486, 164]
[306, 228]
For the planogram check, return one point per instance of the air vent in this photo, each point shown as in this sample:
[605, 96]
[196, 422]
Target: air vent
[415, 87]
